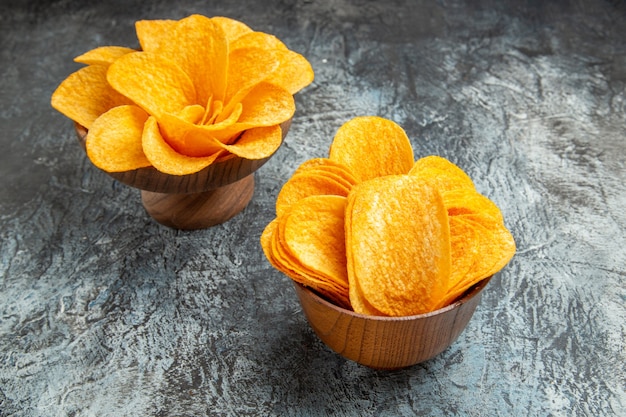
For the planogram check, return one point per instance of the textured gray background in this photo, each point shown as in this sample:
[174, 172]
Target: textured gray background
[103, 312]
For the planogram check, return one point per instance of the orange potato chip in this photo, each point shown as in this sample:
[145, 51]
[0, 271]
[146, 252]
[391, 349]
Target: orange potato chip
[358, 302]
[372, 147]
[206, 81]
[202, 39]
[164, 158]
[443, 174]
[104, 55]
[294, 73]
[304, 185]
[328, 165]
[468, 201]
[233, 29]
[398, 244]
[154, 35]
[248, 67]
[157, 85]
[257, 40]
[266, 105]
[307, 244]
[314, 234]
[257, 143]
[88, 87]
[495, 247]
[114, 140]
[464, 250]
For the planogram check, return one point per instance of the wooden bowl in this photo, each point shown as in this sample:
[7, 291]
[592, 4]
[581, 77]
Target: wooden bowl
[196, 201]
[388, 342]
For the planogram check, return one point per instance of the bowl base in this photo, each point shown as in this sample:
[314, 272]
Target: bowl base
[199, 210]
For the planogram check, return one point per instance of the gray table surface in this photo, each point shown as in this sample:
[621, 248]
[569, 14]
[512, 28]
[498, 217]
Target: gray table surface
[104, 312]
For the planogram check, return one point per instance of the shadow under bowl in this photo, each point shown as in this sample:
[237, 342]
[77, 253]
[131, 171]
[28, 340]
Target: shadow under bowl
[388, 342]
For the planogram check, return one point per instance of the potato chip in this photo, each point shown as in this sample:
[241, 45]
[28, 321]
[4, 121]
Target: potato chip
[468, 201]
[114, 140]
[157, 85]
[257, 143]
[164, 158]
[104, 55]
[443, 174]
[202, 39]
[295, 71]
[494, 248]
[213, 86]
[358, 302]
[233, 29]
[372, 147]
[154, 35]
[399, 244]
[308, 245]
[304, 185]
[314, 234]
[464, 250]
[328, 165]
[247, 68]
[86, 94]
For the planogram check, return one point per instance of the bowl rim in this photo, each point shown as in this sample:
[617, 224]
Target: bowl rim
[470, 293]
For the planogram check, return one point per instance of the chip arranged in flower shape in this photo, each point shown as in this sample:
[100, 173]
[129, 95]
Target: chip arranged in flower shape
[204, 87]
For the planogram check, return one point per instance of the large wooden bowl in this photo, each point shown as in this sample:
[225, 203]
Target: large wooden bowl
[388, 342]
[196, 201]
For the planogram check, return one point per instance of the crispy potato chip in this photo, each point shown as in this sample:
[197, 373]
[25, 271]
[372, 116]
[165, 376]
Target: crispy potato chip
[328, 165]
[304, 185]
[104, 55]
[247, 68]
[399, 244]
[154, 35]
[88, 87]
[202, 39]
[266, 105]
[443, 174]
[358, 302]
[464, 250]
[257, 40]
[191, 139]
[468, 201]
[314, 234]
[257, 143]
[495, 247]
[307, 244]
[114, 140]
[294, 72]
[164, 158]
[154, 83]
[372, 147]
[233, 29]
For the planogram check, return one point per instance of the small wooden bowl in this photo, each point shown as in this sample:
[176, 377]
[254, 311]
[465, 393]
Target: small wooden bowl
[388, 342]
[196, 201]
